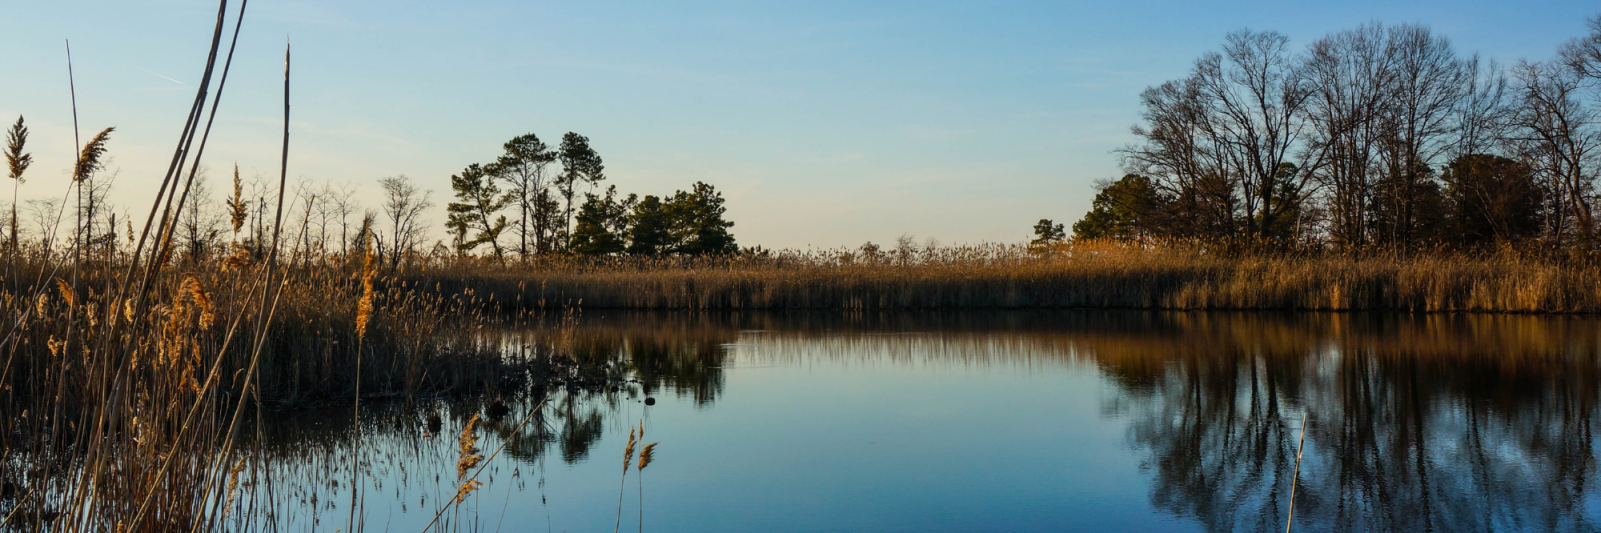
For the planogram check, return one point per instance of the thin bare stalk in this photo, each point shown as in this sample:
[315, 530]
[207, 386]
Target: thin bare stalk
[1295, 476]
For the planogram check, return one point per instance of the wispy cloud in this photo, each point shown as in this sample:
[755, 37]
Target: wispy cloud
[161, 76]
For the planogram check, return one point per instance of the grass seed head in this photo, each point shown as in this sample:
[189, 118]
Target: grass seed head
[646, 455]
[89, 160]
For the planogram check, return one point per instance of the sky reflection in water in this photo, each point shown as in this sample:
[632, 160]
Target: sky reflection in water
[1009, 421]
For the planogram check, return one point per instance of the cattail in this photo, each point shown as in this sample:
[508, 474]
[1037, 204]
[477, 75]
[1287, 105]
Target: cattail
[89, 160]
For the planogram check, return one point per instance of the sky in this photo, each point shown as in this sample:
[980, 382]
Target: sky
[824, 123]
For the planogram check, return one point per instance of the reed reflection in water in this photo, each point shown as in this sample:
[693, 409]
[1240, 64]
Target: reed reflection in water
[1444, 423]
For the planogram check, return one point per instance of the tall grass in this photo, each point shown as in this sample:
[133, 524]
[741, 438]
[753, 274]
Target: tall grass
[127, 373]
[1076, 275]
[186, 369]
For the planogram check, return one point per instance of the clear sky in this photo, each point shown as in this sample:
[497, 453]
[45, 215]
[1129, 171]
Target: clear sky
[826, 123]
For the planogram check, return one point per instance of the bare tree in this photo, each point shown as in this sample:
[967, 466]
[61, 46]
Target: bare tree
[96, 218]
[1481, 112]
[1583, 54]
[45, 213]
[1350, 74]
[320, 213]
[403, 207]
[307, 198]
[342, 204]
[1428, 85]
[200, 222]
[1223, 141]
[1557, 135]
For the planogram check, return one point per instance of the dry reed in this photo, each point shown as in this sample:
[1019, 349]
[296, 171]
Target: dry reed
[1077, 275]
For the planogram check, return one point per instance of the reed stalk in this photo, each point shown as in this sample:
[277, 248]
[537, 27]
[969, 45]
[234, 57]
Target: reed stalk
[628, 459]
[1295, 476]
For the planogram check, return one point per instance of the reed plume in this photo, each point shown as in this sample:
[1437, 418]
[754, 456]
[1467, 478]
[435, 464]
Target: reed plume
[646, 455]
[89, 160]
[369, 270]
[468, 456]
[233, 486]
[67, 294]
[17, 161]
[237, 211]
[191, 287]
[628, 460]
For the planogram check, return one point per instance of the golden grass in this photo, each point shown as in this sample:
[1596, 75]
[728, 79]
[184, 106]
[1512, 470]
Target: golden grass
[112, 420]
[1076, 275]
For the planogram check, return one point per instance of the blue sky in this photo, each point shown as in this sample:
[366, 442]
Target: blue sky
[825, 123]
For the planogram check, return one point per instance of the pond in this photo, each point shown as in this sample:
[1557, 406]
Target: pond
[999, 421]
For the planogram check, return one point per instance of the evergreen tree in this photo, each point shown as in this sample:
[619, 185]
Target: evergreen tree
[1492, 199]
[602, 224]
[697, 222]
[1128, 208]
[547, 222]
[522, 167]
[649, 228]
[1048, 232]
[1409, 210]
[476, 211]
[579, 164]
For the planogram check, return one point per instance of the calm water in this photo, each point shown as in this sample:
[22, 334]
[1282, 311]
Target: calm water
[1069, 421]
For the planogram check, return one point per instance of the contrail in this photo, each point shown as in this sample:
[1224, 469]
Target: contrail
[162, 77]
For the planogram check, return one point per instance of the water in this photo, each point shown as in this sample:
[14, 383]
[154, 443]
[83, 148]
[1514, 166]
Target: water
[1042, 421]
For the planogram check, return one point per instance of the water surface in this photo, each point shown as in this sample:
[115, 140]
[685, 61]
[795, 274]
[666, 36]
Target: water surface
[1029, 421]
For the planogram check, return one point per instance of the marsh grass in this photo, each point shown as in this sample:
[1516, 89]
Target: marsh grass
[165, 411]
[1074, 275]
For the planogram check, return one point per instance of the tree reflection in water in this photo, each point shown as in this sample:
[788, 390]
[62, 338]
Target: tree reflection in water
[1415, 423]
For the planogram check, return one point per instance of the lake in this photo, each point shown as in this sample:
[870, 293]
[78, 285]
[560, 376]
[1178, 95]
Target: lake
[997, 421]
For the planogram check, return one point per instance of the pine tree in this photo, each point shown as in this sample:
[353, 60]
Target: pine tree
[480, 199]
[649, 228]
[580, 164]
[698, 226]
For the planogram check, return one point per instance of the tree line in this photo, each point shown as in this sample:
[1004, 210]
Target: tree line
[521, 182]
[548, 193]
[1378, 137]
